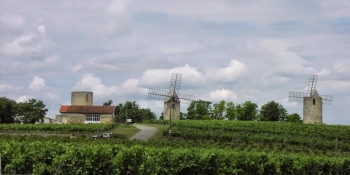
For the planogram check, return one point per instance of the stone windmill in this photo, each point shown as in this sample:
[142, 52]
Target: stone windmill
[172, 98]
[312, 101]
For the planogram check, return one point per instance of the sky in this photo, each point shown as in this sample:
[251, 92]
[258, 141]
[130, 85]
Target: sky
[232, 50]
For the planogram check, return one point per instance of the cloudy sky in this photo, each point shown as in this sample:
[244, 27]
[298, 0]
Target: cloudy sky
[232, 50]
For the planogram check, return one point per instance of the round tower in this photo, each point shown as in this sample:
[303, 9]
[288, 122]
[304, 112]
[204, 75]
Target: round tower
[82, 98]
[312, 110]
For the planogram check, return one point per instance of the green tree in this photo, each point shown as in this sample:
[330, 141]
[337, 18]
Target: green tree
[198, 109]
[219, 110]
[230, 111]
[272, 111]
[147, 114]
[133, 111]
[161, 117]
[32, 111]
[294, 118]
[7, 110]
[191, 111]
[246, 111]
[108, 103]
[202, 109]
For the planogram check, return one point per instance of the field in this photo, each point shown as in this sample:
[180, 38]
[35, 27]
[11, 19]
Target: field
[195, 147]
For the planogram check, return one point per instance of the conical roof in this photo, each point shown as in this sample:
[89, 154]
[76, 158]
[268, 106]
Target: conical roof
[314, 93]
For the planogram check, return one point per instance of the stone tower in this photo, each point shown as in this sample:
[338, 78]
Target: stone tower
[172, 106]
[312, 101]
[82, 98]
[312, 110]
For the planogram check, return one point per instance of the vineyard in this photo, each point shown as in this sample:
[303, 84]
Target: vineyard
[132, 157]
[196, 147]
[281, 134]
[65, 128]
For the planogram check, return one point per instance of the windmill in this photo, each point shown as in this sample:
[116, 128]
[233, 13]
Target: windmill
[312, 101]
[172, 98]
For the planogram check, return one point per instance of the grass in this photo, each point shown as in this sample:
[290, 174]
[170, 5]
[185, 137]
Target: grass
[160, 129]
[126, 131]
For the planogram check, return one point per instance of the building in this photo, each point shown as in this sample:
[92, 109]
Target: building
[48, 120]
[81, 110]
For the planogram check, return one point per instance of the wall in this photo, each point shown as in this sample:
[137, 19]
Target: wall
[312, 112]
[83, 98]
[80, 118]
[175, 112]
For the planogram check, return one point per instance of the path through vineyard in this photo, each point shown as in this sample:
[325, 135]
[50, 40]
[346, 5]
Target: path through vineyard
[145, 132]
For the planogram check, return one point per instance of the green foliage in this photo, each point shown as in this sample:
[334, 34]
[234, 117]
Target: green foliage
[108, 103]
[246, 111]
[198, 109]
[230, 111]
[39, 157]
[32, 111]
[219, 110]
[272, 111]
[7, 110]
[133, 111]
[56, 127]
[294, 118]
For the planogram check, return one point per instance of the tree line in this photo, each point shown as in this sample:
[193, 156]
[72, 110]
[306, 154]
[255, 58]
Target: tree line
[131, 110]
[271, 111]
[31, 111]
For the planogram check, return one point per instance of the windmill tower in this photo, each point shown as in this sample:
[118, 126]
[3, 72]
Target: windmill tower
[312, 101]
[172, 98]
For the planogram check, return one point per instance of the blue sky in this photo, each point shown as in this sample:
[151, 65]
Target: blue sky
[225, 50]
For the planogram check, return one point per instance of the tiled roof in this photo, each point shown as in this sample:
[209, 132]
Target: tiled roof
[87, 109]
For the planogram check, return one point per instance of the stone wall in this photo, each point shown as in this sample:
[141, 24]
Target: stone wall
[312, 110]
[80, 118]
[83, 98]
[175, 112]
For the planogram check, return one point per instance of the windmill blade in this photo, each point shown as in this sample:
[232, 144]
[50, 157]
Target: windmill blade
[158, 94]
[312, 84]
[327, 99]
[164, 95]
[296, 96]
[187, 98]
[175, 82]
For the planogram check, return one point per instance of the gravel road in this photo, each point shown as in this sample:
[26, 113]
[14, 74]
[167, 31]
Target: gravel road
[145, 132]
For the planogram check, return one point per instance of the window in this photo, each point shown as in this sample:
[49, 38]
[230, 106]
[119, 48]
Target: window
[314, 101]
[92, 117]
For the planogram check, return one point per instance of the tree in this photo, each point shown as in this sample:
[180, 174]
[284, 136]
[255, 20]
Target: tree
[198, 109]
[108, 103]
[202, 108]
[246, 111]
[272, 111]
[219, 110]
[32, 111]
[230, 111]
[132, 110]
[7, 110]
[161, 117]
[294, 118]
[191, 111]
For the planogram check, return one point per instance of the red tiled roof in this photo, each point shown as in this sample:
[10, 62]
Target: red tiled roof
[87, 109]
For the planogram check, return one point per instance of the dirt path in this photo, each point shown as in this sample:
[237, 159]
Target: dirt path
[145, 132]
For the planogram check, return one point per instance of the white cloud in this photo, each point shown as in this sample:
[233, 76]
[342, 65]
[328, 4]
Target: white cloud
[28, 44]
[94, 84]
[11, 21]
[160, 78]
[22, 98]
[38, 84]
[221, 94]
[76, 68]
[50, 61]
[9, 87]
[234, 71]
